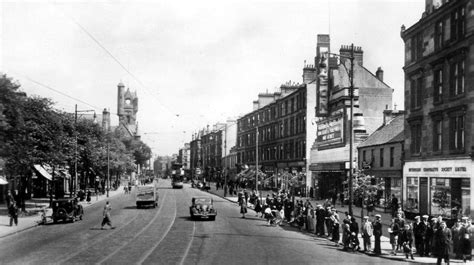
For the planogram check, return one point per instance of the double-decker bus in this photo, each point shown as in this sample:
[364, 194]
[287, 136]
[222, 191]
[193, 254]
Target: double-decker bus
[177, 175]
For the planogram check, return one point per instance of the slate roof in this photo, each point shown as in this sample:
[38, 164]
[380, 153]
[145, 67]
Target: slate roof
[391, 132]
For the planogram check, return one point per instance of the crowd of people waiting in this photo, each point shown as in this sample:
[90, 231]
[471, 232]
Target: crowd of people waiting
[430, 238]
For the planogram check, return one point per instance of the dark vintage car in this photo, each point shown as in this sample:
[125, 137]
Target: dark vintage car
[202, 208]
[67, 210]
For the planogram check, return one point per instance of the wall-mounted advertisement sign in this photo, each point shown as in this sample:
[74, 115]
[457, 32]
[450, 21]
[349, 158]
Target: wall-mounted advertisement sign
[331, 130]
[322, 86]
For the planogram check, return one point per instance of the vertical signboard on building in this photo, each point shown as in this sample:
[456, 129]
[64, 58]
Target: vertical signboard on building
[322, 53]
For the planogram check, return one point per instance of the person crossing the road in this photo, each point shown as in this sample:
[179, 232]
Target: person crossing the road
[106, 216]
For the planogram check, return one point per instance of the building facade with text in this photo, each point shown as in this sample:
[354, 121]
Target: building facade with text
[439, 98]
[330, 152]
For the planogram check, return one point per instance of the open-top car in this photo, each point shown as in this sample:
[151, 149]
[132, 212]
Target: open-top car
[67, 210]
[203, 208]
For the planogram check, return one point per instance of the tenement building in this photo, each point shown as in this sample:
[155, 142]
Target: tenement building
[274, 135]
[330, 152]
[439, 98]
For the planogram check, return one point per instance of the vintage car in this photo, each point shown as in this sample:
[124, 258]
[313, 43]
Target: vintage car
[67, 210]
[202, 208]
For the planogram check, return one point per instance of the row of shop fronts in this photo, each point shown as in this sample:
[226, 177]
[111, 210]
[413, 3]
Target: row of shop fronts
[436, 188]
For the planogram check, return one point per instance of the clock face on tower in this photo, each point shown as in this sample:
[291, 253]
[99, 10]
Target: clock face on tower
[128, 101]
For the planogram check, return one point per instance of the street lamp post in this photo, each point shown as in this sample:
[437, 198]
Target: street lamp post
[351, 142]
[75, 146]
[108, 166]
[256, 160]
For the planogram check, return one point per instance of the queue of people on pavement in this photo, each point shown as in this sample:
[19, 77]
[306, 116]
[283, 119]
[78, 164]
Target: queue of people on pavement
[422, 237]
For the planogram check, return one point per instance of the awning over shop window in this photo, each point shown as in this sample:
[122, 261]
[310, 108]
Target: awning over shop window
[327, 167]
[43, 172]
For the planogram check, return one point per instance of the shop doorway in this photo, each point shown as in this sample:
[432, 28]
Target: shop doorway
[423, 196]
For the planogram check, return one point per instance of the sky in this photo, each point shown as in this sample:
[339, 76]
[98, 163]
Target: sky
[192, 63]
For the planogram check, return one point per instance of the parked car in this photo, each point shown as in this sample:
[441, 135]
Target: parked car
[203, 208]
[67, 210]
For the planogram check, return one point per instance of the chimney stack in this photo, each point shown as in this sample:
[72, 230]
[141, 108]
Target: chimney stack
[379, 74]
[345, 51]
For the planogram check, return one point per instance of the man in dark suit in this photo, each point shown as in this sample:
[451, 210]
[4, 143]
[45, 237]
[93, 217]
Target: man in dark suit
[419, 230]
[377, 224]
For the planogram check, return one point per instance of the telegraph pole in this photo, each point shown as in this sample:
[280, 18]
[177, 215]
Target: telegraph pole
[351, 131]
[256, 160]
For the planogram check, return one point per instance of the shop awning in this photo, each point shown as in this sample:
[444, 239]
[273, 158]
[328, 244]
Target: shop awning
[327, 167]
[43, 172]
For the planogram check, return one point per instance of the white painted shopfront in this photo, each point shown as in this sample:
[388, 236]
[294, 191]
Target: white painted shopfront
[441, 187]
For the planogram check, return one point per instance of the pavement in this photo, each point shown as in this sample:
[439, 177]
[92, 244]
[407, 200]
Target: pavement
[385, 245]
[32, 216]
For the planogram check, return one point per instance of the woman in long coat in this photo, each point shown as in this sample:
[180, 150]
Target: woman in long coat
[443, 241]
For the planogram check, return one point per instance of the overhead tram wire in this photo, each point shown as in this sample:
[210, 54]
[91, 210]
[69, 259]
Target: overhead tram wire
[62, 93]
[119, 63]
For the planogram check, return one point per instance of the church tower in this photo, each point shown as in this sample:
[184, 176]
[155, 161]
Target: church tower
[127, 108]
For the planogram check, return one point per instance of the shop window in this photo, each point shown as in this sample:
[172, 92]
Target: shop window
[441, 197]
[396, 188]
[411, 204]
[465, 207]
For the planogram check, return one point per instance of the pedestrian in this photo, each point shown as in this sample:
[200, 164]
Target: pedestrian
[442, 246]
[258, 206]
[346, 231]
[10, 199]
[407, 240]
[370, 206]
[367, 232]
[88, 197]
[106, 216]
[393, 230]
[427, 236]
[401, 226]
[335, 228]
[320, 217]
[354, 226]
[242, 204]
[377, 224]
[125, 189]
[456, 231]
[394, 205]
[327, 218]
[13, 213]
[246, 195]
[465, 240]
[419, 231]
